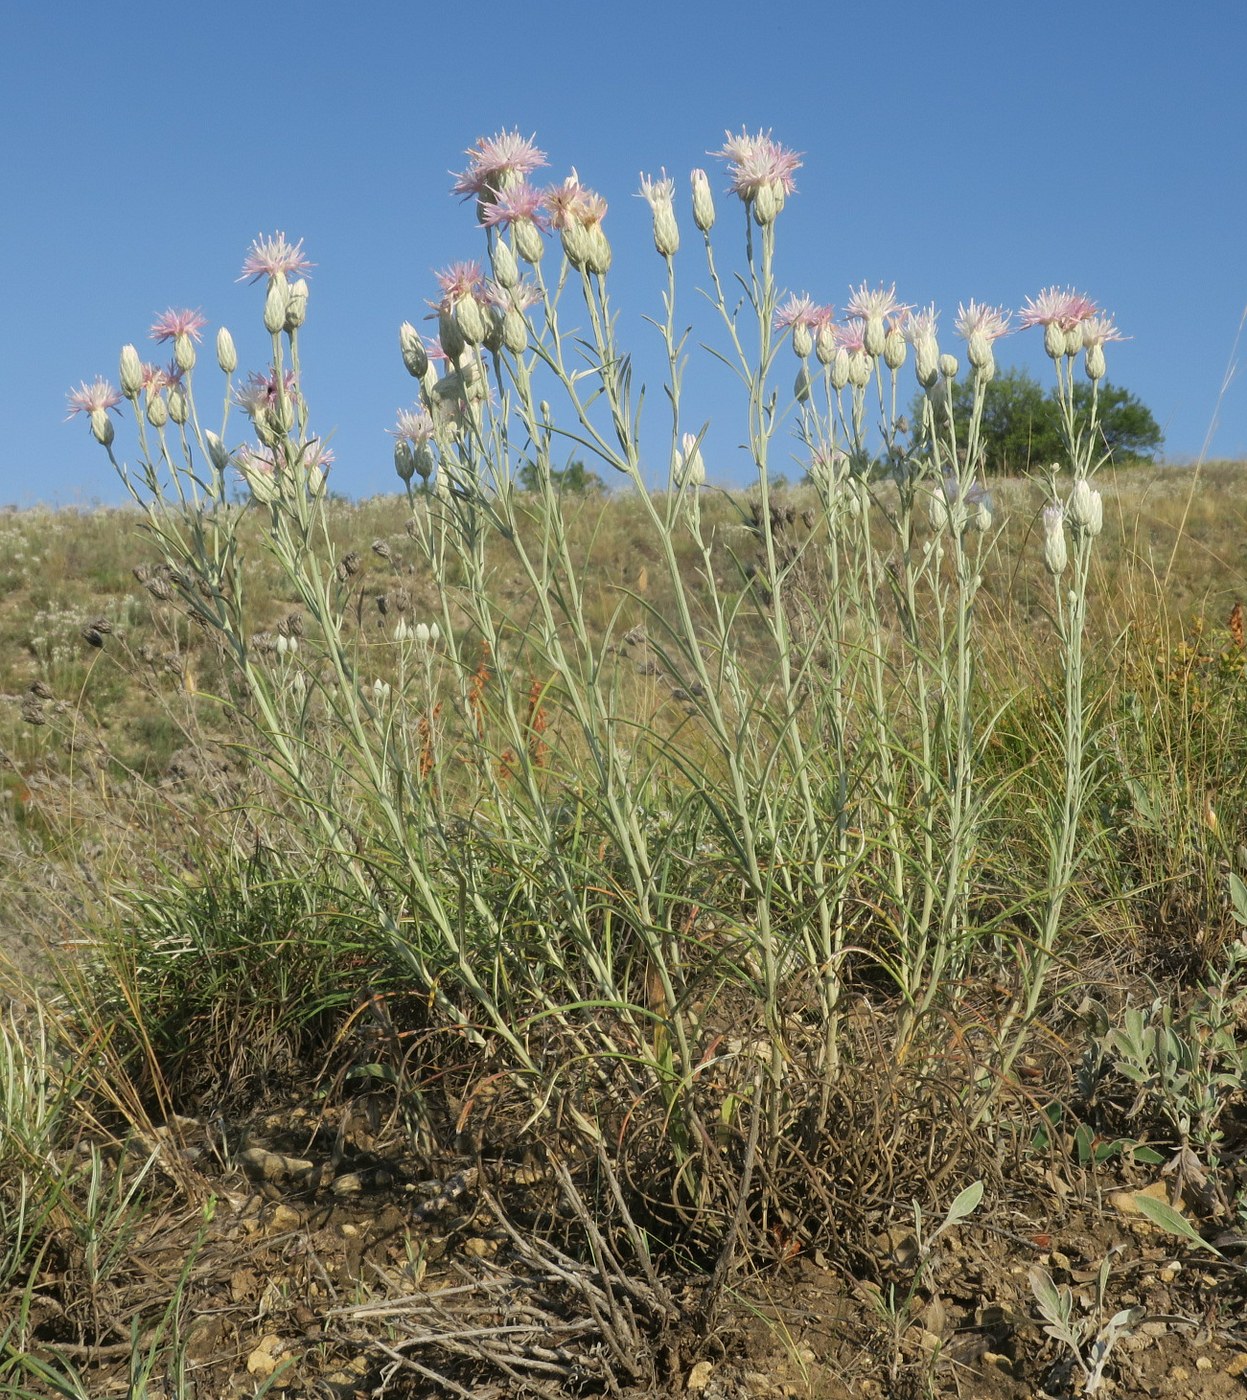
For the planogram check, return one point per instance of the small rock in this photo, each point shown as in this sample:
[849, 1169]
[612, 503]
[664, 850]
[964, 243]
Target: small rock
[283, 1219]
[348, 1184]
[263, 1360]
[1237, 1365]
[261, 1164]
[699, 1376]
[1203, 1363]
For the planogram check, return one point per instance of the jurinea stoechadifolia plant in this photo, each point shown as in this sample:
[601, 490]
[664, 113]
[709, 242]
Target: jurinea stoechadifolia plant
[826, 757]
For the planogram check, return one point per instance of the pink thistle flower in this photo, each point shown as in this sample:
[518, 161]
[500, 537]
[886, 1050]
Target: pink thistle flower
[522, 202]
[259, 393]
[917, 325]
[851, 335]
[269, 256]
[96, 397]
[518, 298]
[1056, 306]
[414, 425]
[175, 323]
[572, 204]
[459, 280]
[757, 163]
[497, 164]
[991, 322]
[802, 311]
[874, 305]
[1096, 330]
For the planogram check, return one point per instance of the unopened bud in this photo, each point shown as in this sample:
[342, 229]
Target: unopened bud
[506, 270]
[949, 366]
[598, 258]
[275, 303]
[1055, 555]
[802, 339]
[1085, 508]
[157, 411]
[1073, 341]
[690, 468]
[927, 361]
[226, 355]
[514, 331]
[404, 460]
[415, 357]
[666, 230]
[1053, 341]
[296, 307]
[703, 202]
[217, 450]
[859, 369]
[825, 343]
[801, 387]
[131, 372]
[179, 406]
[450, 335]
[839, 368]
[1093, 362]
[894, 349]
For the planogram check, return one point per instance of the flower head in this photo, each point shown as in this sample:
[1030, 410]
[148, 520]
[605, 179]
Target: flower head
[269, 256]
[991, 322]
[802, 311]
[1097, 330]
[414, 425]
[259, 393]
[1056, 306]
[758, 163]
[577, 212]
[521, 202]
[496, 164]
[874, 305]
[93, 398]
[459, 280]
[175, 323]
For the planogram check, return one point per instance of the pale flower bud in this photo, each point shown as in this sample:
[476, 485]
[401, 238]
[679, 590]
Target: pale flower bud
[874, 336]
[949, 366]
[766, 205]
[825, 343]
[415, 357]
[1086, 509]
[404, 460]
[575, 240]
[184, 352]
[450, 335]
[801, 388]
[470, 320]
[217, 450]
[598, 258]
[226, 355]
[703, 202]
[802, 339]
[402, 633]
[690, 469]
[275, 303]
[422, 633]
[1053, 341]
[1073, 341]
[179, 407]
[927, 361]
[528, 241]
[131, 372]
[296, 307]
[157, 411]
[859, 368]
[101, 426]
[1055, 555]
[894, 349]
[839, 368]
[514, 331]
[506, 269]
[1094, 362]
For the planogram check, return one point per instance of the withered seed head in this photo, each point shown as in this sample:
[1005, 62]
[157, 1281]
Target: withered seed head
[41, 690]
[92, 636]
[380, 548]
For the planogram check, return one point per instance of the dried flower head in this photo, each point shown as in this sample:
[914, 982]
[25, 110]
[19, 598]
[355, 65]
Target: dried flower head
[269, 256]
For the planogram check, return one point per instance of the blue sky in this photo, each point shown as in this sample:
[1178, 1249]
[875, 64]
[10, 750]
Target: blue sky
[965, 150]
